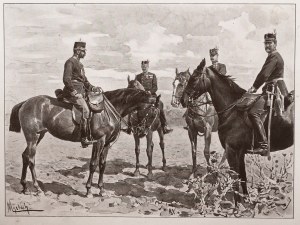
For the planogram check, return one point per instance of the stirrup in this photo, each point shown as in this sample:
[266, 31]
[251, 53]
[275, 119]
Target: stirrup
[126, 130]
[167, 130]
[263, 151]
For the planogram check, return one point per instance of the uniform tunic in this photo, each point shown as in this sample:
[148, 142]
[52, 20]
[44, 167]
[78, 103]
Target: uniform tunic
[272, 69]
[221, 68]
[149, 81]
[74, 77]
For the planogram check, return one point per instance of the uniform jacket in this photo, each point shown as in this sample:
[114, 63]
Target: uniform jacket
[149, 83]
[74, 78]
[272, 69]
[221, 68]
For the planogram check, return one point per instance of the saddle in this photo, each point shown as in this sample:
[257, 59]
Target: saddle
[95, 100]
[247, 101]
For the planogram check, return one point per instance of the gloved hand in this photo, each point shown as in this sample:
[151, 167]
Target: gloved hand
[78, 95]
[252, 90]
[97, 89]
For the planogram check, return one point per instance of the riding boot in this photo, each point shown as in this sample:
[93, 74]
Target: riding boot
[84, 133]
[129, 128]
[261, 135]
[163, 121]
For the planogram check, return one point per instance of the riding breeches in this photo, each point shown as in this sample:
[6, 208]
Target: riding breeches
[255, 113]
[82, 105]
[162, 115]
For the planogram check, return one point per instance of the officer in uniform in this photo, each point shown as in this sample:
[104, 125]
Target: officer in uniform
[214, 57]
[76, 85]
[270, 74]
[149, 82]
[219, 67]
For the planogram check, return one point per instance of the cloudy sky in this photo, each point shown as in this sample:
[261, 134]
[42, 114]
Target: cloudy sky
[39, 39]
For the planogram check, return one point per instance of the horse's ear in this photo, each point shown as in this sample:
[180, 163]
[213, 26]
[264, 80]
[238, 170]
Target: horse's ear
[201, 65]
[176, 71]
[188, 70]
[128, 78]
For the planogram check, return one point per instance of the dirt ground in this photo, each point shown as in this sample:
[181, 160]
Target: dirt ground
[62, 170]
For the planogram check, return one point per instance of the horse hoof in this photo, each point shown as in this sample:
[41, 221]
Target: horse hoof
[40, 193]
[89, 195]
[26, 192]
[136, 173]
[164, 168]
[102, 193]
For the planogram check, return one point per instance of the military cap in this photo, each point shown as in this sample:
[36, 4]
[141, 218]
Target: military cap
[79, 45]
[145, 62]
[270, 37]
[214, 51]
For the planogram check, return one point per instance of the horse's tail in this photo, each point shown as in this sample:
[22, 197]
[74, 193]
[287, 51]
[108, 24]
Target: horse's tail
[15, 125]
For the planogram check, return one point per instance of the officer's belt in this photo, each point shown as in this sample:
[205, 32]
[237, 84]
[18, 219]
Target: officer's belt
[77, 81]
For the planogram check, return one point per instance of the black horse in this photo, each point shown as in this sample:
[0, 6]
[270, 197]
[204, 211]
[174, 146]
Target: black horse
[234, 132]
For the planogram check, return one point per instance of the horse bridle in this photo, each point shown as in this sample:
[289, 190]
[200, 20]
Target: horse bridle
[191, 93]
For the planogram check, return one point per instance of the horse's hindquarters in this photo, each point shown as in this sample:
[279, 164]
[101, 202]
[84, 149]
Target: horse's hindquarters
[282, 131]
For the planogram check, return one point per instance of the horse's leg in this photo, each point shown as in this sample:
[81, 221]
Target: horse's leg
[102, 165]
[137, 155]
[193, 140]
[30, 156]
[26, 161]
[243, 175]
[233, 161]
[162, 147]
[97, 148]
[207, 139]
[149, 153]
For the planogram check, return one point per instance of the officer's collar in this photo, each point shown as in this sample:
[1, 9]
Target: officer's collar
[272, 52]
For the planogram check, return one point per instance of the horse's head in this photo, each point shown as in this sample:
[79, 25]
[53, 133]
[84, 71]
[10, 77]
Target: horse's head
[198, 84]
[179, 83]
[134, 84]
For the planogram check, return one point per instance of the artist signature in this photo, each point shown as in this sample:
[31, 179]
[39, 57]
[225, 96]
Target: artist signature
[20, 207]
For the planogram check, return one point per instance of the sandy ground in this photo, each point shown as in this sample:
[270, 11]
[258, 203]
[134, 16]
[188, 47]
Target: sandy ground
[62, 170]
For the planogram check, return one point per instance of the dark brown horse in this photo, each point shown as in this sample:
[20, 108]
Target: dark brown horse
[200, 117]
[42, 114]
[146, 119]
[234, 132]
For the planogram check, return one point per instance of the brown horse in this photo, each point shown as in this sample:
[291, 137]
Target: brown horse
[200, 117]
[42, 114]
[146, 120]
[234, 132]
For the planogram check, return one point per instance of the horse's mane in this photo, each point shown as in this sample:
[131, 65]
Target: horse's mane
[123, 93]
[230, 81]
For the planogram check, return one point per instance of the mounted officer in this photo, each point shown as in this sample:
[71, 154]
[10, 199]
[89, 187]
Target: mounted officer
[76, 86]
[149, 82]
[270, 74]
[214, 57]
